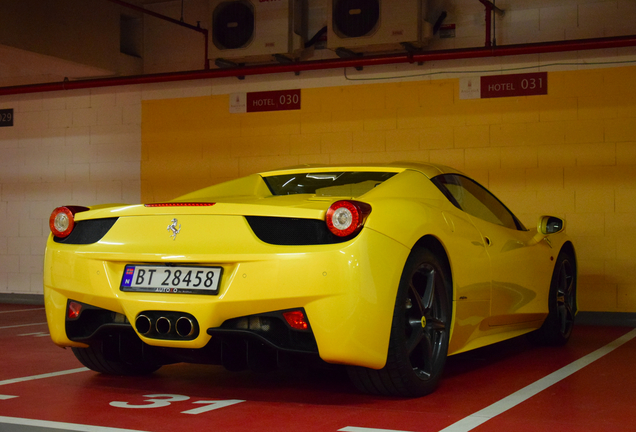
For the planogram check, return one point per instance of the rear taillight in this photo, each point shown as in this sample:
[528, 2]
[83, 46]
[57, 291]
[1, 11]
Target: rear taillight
[346, 217]
[62, 220]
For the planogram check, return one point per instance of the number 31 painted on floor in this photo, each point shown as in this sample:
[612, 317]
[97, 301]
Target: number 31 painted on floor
[163, 400]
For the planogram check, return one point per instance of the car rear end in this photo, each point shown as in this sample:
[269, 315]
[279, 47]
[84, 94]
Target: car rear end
[207, 273]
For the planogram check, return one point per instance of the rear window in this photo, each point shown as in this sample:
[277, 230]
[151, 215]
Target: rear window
[351, 184]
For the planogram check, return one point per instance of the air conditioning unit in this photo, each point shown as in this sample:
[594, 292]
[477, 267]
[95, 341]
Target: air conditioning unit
[257, 30]
[377, 25]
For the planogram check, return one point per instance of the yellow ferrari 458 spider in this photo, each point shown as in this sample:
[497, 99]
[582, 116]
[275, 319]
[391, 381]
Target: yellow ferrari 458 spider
[386, 269]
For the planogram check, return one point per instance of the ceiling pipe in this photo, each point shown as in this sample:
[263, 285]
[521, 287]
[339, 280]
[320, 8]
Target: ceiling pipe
[196, 28]
[490, 8]
[427, 56]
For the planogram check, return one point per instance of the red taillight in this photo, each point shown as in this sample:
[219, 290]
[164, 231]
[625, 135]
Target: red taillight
[73, 310]
[62, 220]
[346, 217]
[296, 319]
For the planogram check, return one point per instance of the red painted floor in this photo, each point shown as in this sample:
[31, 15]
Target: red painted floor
[182, 397]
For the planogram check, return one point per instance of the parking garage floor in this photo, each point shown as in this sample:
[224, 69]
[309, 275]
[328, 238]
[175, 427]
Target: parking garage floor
[587, 385]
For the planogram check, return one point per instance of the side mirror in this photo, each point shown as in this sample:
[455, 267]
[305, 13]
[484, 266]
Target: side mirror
[550, 225]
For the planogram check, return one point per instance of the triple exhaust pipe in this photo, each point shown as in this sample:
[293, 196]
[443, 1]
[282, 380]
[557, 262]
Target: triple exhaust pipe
[167, 325]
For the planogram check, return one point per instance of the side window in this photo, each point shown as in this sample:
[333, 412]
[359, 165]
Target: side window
[475, 200]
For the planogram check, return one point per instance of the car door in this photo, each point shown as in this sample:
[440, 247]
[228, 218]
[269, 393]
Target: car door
[518, 265]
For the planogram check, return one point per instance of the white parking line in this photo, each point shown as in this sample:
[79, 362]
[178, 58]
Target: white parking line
[46, 375]
[21, 325]
[60, 425]
[472, 421]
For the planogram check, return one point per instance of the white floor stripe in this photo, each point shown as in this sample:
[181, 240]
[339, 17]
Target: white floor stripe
[499, 407]
[22, 325]
[60, 425]
[46, 375]
[22, 310]
[525, 393]
[7, 397]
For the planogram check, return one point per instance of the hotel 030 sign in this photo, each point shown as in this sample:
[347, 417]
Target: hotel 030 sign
[277, 100]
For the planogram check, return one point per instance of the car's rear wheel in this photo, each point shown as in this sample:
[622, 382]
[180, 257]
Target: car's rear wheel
[94, 358]
[420, 332]
[558, 325]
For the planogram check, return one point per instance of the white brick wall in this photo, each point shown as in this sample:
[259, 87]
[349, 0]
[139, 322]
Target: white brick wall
[75, 147]
[84, 146]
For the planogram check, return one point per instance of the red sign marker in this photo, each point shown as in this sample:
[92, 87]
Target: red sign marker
[278, 100]
[529, 84]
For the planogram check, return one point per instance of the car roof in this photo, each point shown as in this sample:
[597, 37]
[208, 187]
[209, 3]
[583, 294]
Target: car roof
[428, 169]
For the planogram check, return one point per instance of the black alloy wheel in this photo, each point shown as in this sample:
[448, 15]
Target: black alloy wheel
[420, 332]
[558, 325]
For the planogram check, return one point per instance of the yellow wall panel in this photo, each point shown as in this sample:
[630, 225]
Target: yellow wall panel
[403, 139]
[584, 131]
[336, 142]
[620, 129]
[513, 134]
[506, 179]
[519, 157]
[626, 297]
[472, 136]
[450, 157]
[347, 121]
[570, 153]
[311, 122]
[626, 153]
[520, 109]
[591, 200]
[304, 144]
[364, 142]
[380, 119]
[403, 95]
[436, 138]
[597, 297]
[626, 199]
[436, 93]
[555, 109]
[545, 178]
[483, 158]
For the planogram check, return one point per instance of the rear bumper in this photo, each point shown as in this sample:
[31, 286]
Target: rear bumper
[347, 290]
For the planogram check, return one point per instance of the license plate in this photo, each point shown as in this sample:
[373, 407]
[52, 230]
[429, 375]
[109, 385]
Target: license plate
[174, 279]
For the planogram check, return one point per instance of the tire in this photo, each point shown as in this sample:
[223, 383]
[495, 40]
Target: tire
[420, 331]
[558, 325]
[93, 358]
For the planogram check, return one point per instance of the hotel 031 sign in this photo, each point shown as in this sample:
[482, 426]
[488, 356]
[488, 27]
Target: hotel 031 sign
[494, 86]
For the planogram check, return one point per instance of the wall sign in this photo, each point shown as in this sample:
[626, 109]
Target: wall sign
[277, 100]
[529, 84]
[6, 117]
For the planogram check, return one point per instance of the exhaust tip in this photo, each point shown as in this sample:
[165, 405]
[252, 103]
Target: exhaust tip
[184, 327]
[143, 324]
[163, 325]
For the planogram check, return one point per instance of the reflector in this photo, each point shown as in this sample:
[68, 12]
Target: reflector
[296, 319]
[74, 310]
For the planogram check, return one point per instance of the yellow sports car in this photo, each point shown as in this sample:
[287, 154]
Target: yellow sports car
[384, 268]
